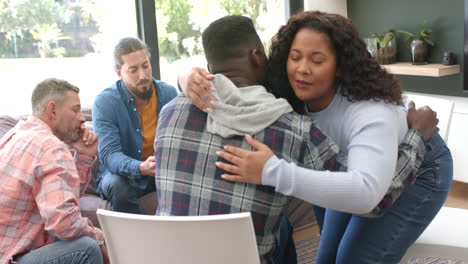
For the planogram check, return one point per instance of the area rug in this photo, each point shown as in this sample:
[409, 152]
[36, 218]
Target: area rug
[435, 261]
[307, 249]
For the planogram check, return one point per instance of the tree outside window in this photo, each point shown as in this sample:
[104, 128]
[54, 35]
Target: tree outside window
[181, 22]
[74, 40]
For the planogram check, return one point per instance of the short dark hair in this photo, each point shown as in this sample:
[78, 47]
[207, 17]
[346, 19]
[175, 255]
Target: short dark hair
[126, 46]
[228, 37]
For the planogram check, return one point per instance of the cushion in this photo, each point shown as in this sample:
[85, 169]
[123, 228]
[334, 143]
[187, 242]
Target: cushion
[7, 123]
[89, 204]
[149, 203]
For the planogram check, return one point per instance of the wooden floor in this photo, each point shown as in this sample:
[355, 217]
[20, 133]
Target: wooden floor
[458, 196]
[305, 233]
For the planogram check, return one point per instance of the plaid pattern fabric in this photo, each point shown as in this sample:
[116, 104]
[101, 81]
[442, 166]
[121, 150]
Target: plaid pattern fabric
[189, 183]
[40, 189]
[410, 157]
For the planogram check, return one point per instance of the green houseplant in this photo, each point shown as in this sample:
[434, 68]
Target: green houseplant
[419, 43]
[382, 47]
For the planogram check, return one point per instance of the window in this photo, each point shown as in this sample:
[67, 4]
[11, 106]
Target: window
[181, 22]
[74, 40]
[71, 40]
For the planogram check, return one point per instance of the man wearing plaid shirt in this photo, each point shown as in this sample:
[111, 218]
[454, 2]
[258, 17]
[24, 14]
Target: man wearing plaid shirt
[187, 180]
[40, 220]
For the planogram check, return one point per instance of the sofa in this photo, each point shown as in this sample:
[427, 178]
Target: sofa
[300, 212]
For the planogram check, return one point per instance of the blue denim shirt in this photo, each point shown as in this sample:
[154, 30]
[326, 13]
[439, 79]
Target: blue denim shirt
[116, 123]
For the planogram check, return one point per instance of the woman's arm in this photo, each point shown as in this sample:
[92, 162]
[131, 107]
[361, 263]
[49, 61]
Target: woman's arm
[370, 134]
[423, 124]
[195, 84]
[246, 166]
[344, 191]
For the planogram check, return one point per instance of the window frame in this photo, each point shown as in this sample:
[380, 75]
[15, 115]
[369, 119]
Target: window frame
[148, 31]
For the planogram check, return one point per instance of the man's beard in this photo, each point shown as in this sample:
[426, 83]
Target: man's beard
[146, 93]
[73, 136]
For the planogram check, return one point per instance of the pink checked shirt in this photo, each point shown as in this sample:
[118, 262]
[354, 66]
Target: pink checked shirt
[39, 190]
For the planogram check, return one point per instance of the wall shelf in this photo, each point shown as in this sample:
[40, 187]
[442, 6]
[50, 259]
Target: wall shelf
[433, 70]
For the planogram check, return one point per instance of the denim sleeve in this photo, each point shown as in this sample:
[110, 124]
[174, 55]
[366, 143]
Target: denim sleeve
[410, 157]
[166, 93]
[111, 155]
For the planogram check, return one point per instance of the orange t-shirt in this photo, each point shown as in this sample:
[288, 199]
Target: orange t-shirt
[148, 122]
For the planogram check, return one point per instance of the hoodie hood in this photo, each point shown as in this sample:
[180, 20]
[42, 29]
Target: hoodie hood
[245, 110]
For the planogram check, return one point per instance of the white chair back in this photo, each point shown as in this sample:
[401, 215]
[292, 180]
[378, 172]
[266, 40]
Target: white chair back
[132, 238]
[443, 107]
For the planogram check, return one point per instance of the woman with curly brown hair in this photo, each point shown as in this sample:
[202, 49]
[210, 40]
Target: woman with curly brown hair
[321, 66]
[356, 72]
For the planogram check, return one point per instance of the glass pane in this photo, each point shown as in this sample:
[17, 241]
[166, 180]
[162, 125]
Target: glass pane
[69, 39]
[181, 22]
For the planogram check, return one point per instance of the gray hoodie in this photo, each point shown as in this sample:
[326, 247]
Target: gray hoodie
[244, 110]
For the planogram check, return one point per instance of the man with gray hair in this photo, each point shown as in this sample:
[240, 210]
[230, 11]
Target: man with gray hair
[125, 117]
[42, 181]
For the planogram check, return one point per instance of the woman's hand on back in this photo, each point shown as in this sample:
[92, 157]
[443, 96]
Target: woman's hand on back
[247, 166]
[424, 120]
[195, 83]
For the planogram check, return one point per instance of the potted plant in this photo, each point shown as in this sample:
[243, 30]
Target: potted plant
[419, 43]
[382, 47]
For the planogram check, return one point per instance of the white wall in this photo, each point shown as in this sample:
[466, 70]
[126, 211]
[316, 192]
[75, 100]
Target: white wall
[329, 6]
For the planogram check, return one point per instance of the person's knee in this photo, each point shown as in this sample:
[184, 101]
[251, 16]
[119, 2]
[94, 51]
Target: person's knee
[437, 169]
[90, 248]
[118, 187]
[121, 194]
